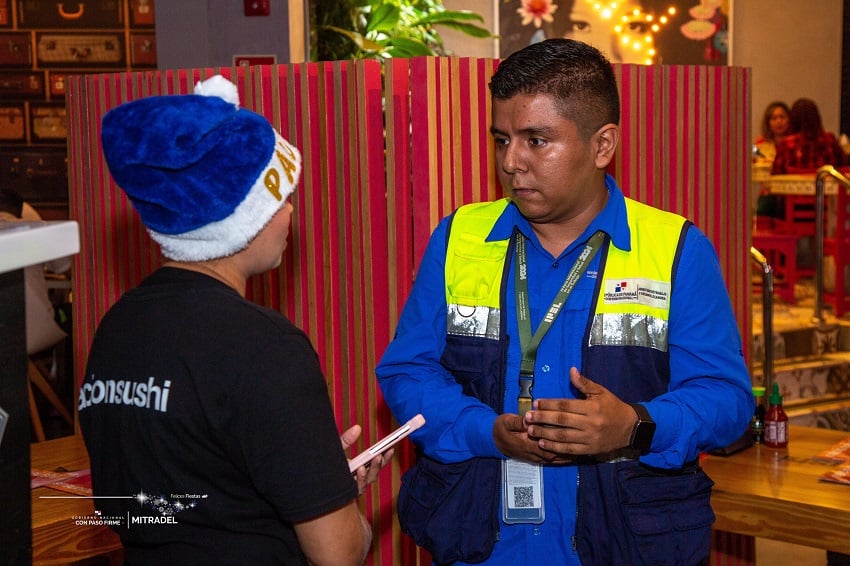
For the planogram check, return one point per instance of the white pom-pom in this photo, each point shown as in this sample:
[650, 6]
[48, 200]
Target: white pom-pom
[220, 87]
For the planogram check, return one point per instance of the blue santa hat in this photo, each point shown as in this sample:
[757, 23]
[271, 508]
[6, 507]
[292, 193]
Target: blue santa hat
[205, 175]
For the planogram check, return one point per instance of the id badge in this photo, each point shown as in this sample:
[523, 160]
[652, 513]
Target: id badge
[522, 492]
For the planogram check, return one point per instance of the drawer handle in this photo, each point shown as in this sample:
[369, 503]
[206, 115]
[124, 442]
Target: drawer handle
[69, 15]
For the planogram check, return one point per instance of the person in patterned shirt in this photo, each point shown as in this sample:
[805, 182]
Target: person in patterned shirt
[809, 146]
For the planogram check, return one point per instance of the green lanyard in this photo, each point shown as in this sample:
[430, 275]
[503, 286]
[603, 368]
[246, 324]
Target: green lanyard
[528, 342]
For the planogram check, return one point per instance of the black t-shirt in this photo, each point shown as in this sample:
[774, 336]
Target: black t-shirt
[209, 426]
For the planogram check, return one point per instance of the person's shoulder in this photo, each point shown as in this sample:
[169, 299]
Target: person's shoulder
[272, 319]
[789, 141]
[497, 204]
[649, 213]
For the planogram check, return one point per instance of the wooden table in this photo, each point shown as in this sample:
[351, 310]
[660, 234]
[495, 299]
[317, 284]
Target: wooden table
[776, 494]
[56, 538]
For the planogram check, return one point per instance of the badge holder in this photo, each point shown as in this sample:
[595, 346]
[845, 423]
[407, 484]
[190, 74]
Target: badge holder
[522, 492]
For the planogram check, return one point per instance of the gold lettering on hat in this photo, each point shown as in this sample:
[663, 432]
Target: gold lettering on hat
[272, 181]
[286, 161]
[286, 155]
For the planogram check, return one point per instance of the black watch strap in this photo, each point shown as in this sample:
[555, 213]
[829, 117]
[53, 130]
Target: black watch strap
[644, 429]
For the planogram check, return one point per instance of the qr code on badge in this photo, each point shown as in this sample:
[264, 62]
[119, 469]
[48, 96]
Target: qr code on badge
[523, 496]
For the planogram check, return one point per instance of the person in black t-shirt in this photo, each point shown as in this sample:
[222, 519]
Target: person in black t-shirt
[207, 418]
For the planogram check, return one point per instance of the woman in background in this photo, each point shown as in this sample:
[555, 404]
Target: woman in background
[774, 126]
[806, 148]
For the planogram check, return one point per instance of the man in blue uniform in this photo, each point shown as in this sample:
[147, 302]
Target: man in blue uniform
[572, 350]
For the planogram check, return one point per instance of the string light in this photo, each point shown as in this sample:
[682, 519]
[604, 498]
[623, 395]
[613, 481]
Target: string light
[630, 35]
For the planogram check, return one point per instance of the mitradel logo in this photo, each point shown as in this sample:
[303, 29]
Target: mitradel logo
[167, 508]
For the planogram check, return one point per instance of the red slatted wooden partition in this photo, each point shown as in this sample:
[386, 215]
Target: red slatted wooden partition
[364, 210]
[684, 148]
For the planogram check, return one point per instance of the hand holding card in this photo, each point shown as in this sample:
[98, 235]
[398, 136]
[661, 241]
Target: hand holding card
[386, 443]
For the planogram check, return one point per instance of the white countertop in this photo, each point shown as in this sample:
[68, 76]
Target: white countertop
[30, 243]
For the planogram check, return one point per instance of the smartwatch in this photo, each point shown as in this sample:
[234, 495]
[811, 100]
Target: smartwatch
[644, 429]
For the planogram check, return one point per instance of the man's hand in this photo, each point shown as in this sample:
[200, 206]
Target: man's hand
[367, 473]
[598, 424]
[513, 441]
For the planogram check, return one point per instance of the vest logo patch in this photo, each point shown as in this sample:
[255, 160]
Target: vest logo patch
[637, 291]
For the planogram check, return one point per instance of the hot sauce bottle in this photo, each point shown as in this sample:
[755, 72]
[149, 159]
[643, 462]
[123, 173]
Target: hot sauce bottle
[775, 421]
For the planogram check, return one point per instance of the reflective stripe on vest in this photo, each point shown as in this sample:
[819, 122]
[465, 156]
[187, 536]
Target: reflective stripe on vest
[633, 305]
[474, 269]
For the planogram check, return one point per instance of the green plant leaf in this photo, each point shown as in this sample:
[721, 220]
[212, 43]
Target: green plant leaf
[408, 47]
[359, 40]
[384, 18]
[468, 29]
[363, 29]
[449, 15]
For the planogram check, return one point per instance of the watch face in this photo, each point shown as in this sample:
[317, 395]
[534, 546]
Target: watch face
[644, 429]
[643, 435]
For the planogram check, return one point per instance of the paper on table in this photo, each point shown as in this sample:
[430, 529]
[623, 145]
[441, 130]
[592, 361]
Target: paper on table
[838, 454]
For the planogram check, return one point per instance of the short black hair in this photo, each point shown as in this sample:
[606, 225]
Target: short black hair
[11, 202]
[576, 74]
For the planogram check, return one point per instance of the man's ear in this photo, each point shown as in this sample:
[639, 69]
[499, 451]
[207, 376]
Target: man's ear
[606, 139]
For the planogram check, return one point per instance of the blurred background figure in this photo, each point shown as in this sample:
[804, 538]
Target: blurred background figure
[46, 339]
[43, 332]
[807, 146]
[774, 126]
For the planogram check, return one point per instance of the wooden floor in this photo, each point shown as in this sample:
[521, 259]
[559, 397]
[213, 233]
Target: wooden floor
[775, 553]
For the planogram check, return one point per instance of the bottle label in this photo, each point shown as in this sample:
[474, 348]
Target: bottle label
[776, 433]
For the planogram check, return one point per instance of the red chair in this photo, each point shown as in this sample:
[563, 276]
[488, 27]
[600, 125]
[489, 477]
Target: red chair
[780, 250]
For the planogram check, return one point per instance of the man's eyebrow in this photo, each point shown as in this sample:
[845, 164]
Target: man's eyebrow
[527, 132]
